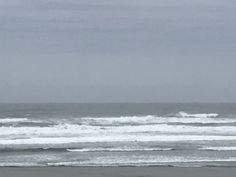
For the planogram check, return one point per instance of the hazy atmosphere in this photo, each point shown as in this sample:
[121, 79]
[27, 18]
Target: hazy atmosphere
[117, 51]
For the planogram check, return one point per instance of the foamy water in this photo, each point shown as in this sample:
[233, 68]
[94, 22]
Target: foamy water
[180, 139]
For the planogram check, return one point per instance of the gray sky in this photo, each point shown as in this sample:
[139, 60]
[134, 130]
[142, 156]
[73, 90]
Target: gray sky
[117, 51]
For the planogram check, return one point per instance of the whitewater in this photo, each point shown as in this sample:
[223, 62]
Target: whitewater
[177, 139]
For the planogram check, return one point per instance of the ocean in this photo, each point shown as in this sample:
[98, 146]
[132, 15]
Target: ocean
[118, 134]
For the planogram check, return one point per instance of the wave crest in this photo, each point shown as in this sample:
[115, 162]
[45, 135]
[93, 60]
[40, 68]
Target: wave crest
[220, 148]
[13, 120]
[208, 115]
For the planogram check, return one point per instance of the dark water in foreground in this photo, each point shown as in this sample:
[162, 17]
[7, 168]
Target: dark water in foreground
[117, 172]
[117, 134]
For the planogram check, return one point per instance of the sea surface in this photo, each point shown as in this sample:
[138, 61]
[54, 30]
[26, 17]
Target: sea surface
[155, 134]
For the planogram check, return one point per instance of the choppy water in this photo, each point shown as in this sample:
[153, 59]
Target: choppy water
[117, 134]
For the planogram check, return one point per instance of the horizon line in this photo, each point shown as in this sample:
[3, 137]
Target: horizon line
[222, 102]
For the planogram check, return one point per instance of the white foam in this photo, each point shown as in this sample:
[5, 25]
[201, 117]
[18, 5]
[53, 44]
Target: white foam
[141, 161]
[153, 120]
[118, 149]
[220, 148]
[72, 130]
[227, 130]
[68, 130]
[13, 120]
[209, 115]
[19, 164]
[113, 138]
[58, 130]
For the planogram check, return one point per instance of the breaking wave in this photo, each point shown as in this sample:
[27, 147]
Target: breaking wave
[124, 128]
[220, 148]
[73, 130]
[119, 149]
[139, 120]
[114, 138]
[143, 161]
[209, 115]
[13, 120]
[114, 141]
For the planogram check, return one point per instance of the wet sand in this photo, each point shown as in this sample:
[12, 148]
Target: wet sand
[117, 172]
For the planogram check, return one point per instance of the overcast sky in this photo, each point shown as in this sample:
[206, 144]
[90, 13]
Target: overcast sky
[117, 51]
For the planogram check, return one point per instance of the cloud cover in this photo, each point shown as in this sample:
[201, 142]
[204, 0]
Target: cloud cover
[117, 51]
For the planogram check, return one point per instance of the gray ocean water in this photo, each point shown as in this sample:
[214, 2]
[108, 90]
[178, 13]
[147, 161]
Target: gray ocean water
[118, 134]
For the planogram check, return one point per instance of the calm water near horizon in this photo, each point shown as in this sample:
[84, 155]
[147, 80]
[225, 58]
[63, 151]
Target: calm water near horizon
[118, 134]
